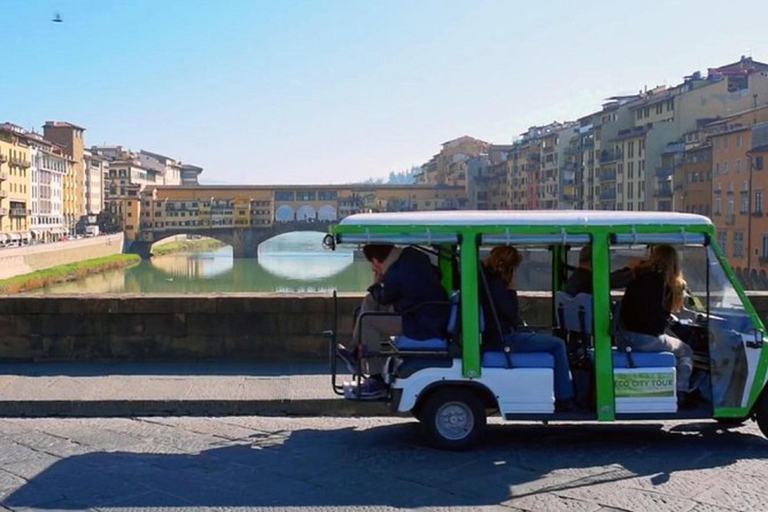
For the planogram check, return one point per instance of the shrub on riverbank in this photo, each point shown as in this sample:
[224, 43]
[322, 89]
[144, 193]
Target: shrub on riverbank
[64, 273]
[202, 245]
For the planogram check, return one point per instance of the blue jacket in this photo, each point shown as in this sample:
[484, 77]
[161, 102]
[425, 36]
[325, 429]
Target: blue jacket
[412, 280]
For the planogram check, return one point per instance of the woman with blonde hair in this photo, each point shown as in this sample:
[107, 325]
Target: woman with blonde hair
[499, 272]
[657, 291]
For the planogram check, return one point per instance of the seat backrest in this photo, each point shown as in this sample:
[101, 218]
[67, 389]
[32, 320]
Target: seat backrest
[453, 313]
[574, 314]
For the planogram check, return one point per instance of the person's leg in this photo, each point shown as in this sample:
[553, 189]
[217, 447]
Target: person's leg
[371, 330]
[532, 342]
[666, 343]
[684, 356]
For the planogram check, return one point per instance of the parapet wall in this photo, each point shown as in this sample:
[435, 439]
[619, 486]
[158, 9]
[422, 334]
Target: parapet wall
[23, 260]
[257, 327]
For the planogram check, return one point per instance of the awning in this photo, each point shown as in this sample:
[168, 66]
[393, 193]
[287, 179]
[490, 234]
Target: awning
[25, 235]
[37, 232]
[3, 238]
[15, 236]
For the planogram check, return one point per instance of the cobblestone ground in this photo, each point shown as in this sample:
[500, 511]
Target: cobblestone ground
[258, 463]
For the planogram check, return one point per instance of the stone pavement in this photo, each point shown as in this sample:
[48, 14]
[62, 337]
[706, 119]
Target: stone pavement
[89, 389]
[372, 464]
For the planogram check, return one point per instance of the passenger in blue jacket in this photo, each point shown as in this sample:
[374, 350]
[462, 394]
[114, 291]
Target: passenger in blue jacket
[405, 282]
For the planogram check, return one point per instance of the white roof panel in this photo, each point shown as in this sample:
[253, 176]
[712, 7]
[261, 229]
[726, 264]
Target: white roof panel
[525, 218]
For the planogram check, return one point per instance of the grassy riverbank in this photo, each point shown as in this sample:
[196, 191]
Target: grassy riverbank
[64, 273]
[199, 245]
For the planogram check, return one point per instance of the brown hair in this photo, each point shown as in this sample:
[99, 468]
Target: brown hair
[663, 258]
[378, 251]
[504, 260]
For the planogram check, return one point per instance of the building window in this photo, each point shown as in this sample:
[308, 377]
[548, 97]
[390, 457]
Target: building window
[744, 204]
[738, 140]
[737, 168]
[759, 202]
[764, 255]
[722, 241]
[738, 244]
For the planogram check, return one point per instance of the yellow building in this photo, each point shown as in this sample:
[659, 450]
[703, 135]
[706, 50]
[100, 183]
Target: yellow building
[70, 138]
[15, 185]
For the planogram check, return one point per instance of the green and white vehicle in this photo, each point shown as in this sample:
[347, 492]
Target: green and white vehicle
[452, 385]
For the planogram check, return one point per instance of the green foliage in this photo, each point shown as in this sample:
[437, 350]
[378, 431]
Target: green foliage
[68, 272]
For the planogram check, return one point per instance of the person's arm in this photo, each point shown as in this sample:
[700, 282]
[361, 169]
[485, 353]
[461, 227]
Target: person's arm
[505, 301]
[621, 278]
[388, 289]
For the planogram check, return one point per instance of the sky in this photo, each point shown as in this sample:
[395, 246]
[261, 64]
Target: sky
[339, 91]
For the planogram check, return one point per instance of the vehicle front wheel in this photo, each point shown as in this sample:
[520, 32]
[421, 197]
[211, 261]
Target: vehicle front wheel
[453, 418]
[761, 414]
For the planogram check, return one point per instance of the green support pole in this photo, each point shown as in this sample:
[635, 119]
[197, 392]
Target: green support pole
[470, 315]
[601, 297]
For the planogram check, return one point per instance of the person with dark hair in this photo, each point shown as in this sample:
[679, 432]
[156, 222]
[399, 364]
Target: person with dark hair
[405, 282]
[580, 280]
[499, 271]
[657, 291]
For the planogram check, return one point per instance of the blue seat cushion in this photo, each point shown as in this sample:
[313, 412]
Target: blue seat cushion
[497, 359]
[644, 359]
[406, 343]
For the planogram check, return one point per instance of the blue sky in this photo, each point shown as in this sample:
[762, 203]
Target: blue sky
[299, 91]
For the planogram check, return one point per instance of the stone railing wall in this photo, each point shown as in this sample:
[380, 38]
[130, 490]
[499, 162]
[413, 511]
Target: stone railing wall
[23, 260]
[258, 327]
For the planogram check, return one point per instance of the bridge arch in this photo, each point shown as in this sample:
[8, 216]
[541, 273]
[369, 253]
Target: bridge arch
[326, 213]
[305, 213]
[285, 213]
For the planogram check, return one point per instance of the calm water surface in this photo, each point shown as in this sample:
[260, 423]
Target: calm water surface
[294, 262]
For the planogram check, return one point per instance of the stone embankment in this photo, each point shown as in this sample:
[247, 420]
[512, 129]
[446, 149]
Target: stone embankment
[252, 327]
[23, 260]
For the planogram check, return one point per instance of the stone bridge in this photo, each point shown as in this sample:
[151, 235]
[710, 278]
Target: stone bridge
[244, 240]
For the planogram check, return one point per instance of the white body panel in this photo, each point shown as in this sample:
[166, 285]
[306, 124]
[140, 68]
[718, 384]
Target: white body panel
[519, 390]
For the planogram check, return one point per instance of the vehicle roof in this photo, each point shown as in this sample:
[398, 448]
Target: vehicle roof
[526, 218]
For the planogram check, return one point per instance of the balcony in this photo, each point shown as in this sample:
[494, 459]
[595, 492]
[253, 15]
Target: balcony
[534, 157]
[20, 162]
[664, 191]
[3, 159]
[608, 194]
[607, 175]
[3, 212]
[610, 156]
[18, 212]
[664, 172]
[3, 176]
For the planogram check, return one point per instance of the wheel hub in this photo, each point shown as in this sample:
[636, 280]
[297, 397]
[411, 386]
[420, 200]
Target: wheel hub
[454, 421]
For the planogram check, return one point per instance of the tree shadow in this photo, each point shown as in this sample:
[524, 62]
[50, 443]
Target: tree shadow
[169, 368]
[386, 466]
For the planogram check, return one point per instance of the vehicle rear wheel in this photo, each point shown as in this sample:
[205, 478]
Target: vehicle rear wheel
[761, 414]
[453, 418]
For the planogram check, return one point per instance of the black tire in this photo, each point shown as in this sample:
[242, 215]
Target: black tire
[761, 414]
[453, 418]
[731, 422]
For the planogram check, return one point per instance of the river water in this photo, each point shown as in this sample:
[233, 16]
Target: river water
[294, 262]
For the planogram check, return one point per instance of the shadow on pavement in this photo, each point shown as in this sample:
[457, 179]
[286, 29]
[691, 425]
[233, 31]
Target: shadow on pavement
[192, 368]
[386, 466]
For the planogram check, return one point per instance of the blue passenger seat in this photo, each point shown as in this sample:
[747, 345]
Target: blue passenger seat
[498, 359]
[404, 343]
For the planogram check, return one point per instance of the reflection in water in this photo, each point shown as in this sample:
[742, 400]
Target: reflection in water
[294, 262]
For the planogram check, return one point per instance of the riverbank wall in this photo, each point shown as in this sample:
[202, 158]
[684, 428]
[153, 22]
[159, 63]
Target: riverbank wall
[254, 327]
[16, 261]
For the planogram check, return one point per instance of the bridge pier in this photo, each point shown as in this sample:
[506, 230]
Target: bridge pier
[143, 249]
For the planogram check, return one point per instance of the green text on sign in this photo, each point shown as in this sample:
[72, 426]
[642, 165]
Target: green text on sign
[646, 384]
